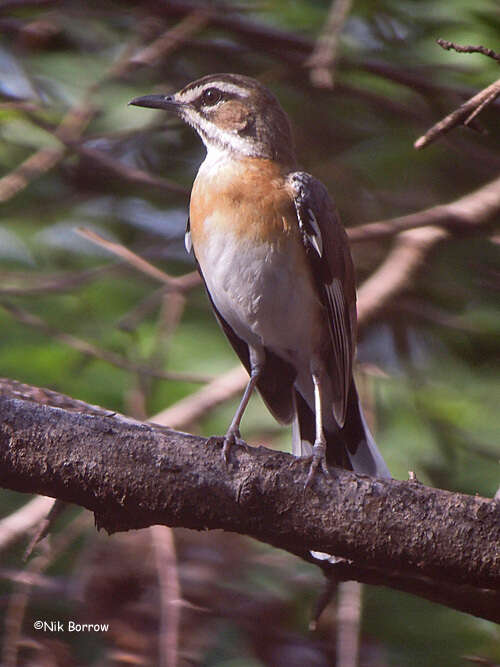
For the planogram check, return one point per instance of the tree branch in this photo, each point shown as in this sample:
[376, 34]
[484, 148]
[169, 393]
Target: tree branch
[322, 59]
[465, 113]
[396, 271]
[83, 346]
[412, 246]
[133, 475]
[447, 45]
[468, 213]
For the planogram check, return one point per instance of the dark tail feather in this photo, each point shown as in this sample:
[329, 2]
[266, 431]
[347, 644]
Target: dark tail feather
[351, 447]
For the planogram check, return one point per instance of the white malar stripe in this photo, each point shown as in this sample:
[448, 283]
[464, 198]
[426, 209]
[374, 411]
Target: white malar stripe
[211, 135]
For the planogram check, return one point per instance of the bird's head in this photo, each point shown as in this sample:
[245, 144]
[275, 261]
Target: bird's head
[232, 113]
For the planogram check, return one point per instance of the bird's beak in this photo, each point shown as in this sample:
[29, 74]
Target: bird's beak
[166, 102]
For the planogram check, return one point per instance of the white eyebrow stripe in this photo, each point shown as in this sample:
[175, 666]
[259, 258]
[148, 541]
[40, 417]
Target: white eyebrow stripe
[227, 87]
[224, 86]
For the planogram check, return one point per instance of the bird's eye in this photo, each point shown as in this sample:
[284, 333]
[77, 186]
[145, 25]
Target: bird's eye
[211, 96]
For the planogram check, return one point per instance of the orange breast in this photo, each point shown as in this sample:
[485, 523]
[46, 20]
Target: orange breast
[247, 197]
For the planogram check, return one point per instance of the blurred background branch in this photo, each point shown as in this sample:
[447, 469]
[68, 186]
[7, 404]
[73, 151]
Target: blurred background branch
[322, 59]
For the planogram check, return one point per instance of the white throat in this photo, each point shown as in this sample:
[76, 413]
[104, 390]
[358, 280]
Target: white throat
[216, 157]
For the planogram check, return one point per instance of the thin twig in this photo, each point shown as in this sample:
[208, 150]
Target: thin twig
[395, 273]
[445, 44]
[172, 38]
[125, 254]
[170, 594]
[21, 521]
[103, 160]
[130, 320]
[91, 350]
[348, 623]
[192, 408]
[180, 284]
[486, 101]
[72, 125]
[44, 527]
[38, 283]
[467, 212]
[171, 311]
[132, 175]
[424, 310]
[461, 116]
[29, 107]
[322, 60]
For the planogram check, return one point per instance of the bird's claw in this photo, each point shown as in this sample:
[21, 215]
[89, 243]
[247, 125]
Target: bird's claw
[317, 463]
[231, 438]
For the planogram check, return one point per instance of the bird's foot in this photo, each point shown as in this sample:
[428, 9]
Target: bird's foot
[227, 441]
[231, 438]
[317, 463]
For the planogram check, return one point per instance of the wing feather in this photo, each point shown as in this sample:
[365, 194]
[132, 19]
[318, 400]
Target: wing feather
[187, 237]
[328, 252]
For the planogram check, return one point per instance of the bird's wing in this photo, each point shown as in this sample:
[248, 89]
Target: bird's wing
[327, 250]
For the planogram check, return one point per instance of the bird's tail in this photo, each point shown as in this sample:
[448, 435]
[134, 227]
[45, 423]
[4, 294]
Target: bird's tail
[351, 447]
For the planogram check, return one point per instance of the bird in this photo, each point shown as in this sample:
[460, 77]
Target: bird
[277, 268]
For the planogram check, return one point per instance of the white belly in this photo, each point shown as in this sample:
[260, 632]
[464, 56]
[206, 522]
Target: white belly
[257, 291]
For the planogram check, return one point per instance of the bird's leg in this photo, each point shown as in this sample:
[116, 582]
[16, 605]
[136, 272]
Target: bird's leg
[319, 448]
[257, 357]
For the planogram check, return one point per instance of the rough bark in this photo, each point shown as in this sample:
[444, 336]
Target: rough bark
[442, 545]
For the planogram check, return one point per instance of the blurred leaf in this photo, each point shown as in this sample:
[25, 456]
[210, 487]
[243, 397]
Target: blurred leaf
[13, 249]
